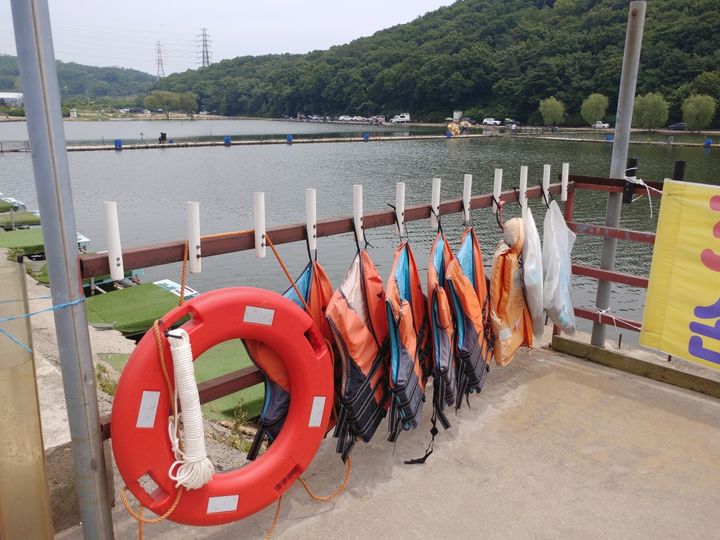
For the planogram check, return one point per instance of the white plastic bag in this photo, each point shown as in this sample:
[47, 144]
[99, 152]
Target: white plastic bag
[558, 241]
[533, 273]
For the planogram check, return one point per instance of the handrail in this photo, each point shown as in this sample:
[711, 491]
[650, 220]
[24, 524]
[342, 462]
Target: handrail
[96, 264]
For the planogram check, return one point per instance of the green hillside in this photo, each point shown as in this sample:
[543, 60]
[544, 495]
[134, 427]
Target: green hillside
[79, 81]
[491, 57]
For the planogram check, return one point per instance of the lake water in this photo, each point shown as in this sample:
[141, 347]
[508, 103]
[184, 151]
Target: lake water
[152, 186]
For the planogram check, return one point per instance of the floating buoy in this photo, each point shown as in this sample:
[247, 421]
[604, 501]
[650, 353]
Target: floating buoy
[141, 409]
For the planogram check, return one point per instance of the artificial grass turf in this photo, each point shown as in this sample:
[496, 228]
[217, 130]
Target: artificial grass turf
[19, 219]
[132, 310]
[223, 358]
[23, 241]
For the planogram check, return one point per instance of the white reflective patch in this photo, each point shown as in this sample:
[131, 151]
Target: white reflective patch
[259, 315]
[505, 333]
[227, 503]
[148, 409]
[316, 414]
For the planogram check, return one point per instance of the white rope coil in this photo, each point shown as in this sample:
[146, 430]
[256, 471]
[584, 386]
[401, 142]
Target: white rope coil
[192, 468]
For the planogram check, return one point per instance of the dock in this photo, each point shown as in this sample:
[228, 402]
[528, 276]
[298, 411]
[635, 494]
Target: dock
[554, 445]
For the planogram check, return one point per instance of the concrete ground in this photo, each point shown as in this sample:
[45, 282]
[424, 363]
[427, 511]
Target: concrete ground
[554, 447]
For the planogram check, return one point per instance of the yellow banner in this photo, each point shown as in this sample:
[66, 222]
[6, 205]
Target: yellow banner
[682, 309]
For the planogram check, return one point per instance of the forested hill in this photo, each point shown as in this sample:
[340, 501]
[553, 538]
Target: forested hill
[491, 57]
[81, 81]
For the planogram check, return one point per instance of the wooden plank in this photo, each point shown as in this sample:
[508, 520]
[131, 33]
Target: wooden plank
[636, 366]
[209, 390]
[611, 184]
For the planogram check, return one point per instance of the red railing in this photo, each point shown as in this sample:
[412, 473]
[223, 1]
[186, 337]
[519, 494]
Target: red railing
[96, 264]
[607, 185]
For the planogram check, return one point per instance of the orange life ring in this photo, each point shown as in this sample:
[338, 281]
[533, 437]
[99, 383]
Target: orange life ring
[142, 406]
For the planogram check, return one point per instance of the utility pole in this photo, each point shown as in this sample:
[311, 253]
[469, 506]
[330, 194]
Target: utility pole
[38, 73]
[204, 42]
[159, 61]
[626, 99]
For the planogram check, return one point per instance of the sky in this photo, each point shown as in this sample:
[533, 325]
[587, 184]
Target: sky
[125, 33]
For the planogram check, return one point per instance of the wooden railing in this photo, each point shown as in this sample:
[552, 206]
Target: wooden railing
[96, 264]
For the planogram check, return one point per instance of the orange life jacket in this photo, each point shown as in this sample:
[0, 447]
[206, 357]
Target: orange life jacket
[317, 290]
[469, 298]
[409, 342]
[357, 318]
[511, 321]
[442, 330]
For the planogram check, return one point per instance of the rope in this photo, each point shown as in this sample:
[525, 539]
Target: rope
[607, 313]
[639, 182]
[31, 314]
[339, 491]
[287, 273]
[268, 534]
[186, 255]
[192, 468]
[138, 515]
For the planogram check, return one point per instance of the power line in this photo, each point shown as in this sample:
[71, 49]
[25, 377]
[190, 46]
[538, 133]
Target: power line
[204, 44]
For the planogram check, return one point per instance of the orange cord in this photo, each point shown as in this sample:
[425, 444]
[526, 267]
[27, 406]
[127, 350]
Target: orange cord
[339, 491]
[186, 255]
[287, 273]
[268, 534]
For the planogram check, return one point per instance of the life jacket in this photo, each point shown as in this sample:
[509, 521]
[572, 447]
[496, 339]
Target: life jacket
[442, 330]
[357, 319]
[469, 298]
[409, 342]
[511, 322]
[316, 289]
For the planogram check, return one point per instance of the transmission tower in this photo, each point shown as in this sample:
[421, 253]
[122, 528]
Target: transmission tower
[159, 61]
[204, 52]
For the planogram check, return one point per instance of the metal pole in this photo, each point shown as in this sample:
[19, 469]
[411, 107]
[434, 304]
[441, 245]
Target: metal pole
[36, 58]
[628, 82]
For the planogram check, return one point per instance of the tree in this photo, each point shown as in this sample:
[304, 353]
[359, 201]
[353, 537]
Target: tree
[650, 111]
[698, 111]
[552, 110]
[593, 108]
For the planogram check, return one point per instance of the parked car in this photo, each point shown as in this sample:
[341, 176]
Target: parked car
[680, 126]
[601, 125]
[401, 118]
[345, 118]
[491, 122]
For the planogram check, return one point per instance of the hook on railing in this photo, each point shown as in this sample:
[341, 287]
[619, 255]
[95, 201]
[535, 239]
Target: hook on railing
[467, 193]
[311, 223]
[435, 204]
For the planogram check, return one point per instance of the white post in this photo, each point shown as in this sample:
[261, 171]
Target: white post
[467, 193]
[400, 207]
[259, 212]
[565, 176]
[435, 203]
[523, 185]
[497, 189]
[546, 180]
[311, 218]
[358, 212]
[193, 236]
[112, 234]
